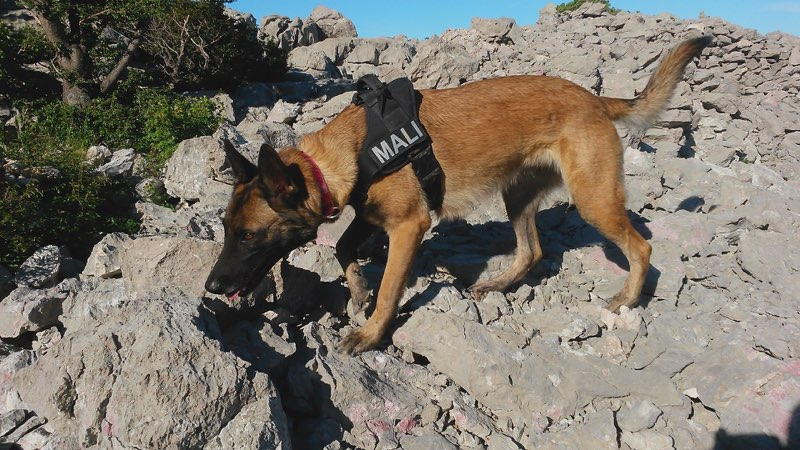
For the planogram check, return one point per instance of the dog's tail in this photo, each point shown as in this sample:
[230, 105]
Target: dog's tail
[644, 110]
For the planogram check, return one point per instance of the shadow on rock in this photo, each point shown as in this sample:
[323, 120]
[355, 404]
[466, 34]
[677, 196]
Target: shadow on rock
[730, 441]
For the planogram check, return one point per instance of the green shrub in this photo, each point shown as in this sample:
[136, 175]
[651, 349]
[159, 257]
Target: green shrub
[75, 208]
[575, 4]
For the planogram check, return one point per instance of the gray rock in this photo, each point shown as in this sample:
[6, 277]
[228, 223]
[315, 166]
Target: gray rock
[374, 402]
[28, 309]
[500, 30]
[284, 112]
[426, 441]
[440, 64]
[105, 379]
[192, 171]
[151, 263]
[104, 261]
[289, 33]
[640, 416]
[41, 269]
[332, 23]
[647, 440]
[11, 420]
[540, 380]
[94, 303]
[98, 154]
[598, 431]
[312, 60]
[121, 164]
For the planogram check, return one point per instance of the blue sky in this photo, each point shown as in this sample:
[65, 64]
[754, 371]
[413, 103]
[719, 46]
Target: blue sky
[421, 19]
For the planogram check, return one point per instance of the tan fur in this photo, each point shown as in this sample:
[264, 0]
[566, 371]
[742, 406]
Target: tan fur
[520, 136]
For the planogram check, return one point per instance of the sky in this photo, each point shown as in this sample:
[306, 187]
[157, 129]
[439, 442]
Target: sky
[421, 19]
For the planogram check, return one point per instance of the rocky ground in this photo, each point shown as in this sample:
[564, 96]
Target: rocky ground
[129, 352]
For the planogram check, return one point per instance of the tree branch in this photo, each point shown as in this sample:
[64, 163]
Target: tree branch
[115, 74]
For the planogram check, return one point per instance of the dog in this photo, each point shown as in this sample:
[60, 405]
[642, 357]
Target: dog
[519, 135]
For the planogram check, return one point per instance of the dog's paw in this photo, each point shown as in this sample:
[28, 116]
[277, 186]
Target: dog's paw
[479, 290]
[618, 302]
[357, 341]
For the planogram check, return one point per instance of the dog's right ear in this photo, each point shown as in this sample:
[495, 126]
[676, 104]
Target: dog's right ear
[243, 170]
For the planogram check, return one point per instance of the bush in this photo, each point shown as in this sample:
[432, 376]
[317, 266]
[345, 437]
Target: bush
[20, 47]
[575, 4]
[78, 206]
[197, 46]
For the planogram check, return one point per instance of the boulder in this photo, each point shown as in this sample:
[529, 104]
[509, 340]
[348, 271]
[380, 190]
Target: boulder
[103, 382]
[332, 23]
[27, 309]
[150, 263]
[41, 269]
[104, 261]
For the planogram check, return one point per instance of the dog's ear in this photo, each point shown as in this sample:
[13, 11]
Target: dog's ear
[243, 170]
[284, 185]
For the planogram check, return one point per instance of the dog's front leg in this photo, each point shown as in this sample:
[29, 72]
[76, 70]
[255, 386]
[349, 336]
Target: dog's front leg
[346, 253]
[404, 240]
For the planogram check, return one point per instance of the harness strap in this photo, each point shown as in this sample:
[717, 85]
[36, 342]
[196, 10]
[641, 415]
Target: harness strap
[395, 137]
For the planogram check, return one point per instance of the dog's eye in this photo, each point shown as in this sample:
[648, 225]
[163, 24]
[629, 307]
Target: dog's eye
[248, 236]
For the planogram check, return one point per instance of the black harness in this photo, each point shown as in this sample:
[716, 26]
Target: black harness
[395, 137]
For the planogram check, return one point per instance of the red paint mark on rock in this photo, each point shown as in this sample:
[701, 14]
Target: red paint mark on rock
[406, 424]
[378, 426]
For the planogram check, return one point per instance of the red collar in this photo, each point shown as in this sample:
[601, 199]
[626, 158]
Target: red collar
[329, 210]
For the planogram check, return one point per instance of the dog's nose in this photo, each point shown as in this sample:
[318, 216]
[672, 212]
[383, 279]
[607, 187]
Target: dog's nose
[214, 285]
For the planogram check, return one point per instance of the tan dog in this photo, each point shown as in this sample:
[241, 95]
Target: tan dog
[520, 135]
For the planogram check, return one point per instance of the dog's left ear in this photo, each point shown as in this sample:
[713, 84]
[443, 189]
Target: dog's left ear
[284, 185]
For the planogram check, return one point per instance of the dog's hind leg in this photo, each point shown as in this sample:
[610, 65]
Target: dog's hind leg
[522, 199]
[346, 253]
[597, 191]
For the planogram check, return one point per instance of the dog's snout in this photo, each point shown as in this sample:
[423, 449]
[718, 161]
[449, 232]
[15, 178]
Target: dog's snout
[215, 285]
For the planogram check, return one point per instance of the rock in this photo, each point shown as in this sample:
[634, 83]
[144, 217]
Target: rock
[548, 17]
[193, 171]
[502, 30]
[598, 432]
[104, 260]
[332, 23]
[121, 164]
[373, 402]
[11, 420]
[154, 262]
[647, 440]
[638, 417]
[41, 269]
[542, 380]
[105, 379]
[94, 303]
[313, 60]
[439, 64]
[288, 33]
[756, 256]
[98, 155]
[28, 309]
[284, 112]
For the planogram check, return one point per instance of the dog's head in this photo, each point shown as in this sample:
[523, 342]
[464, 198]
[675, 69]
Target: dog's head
[266, 219]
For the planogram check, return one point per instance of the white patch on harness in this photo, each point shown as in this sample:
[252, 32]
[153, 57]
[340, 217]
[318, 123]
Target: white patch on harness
[388, 148]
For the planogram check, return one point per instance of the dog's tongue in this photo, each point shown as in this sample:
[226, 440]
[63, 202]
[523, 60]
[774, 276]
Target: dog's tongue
[234, 296]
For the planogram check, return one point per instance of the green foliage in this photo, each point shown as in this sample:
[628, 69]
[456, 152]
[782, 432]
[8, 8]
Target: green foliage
[151, 121]
[575, 4]
[75, 208]
[167, 119]
[17, 48]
